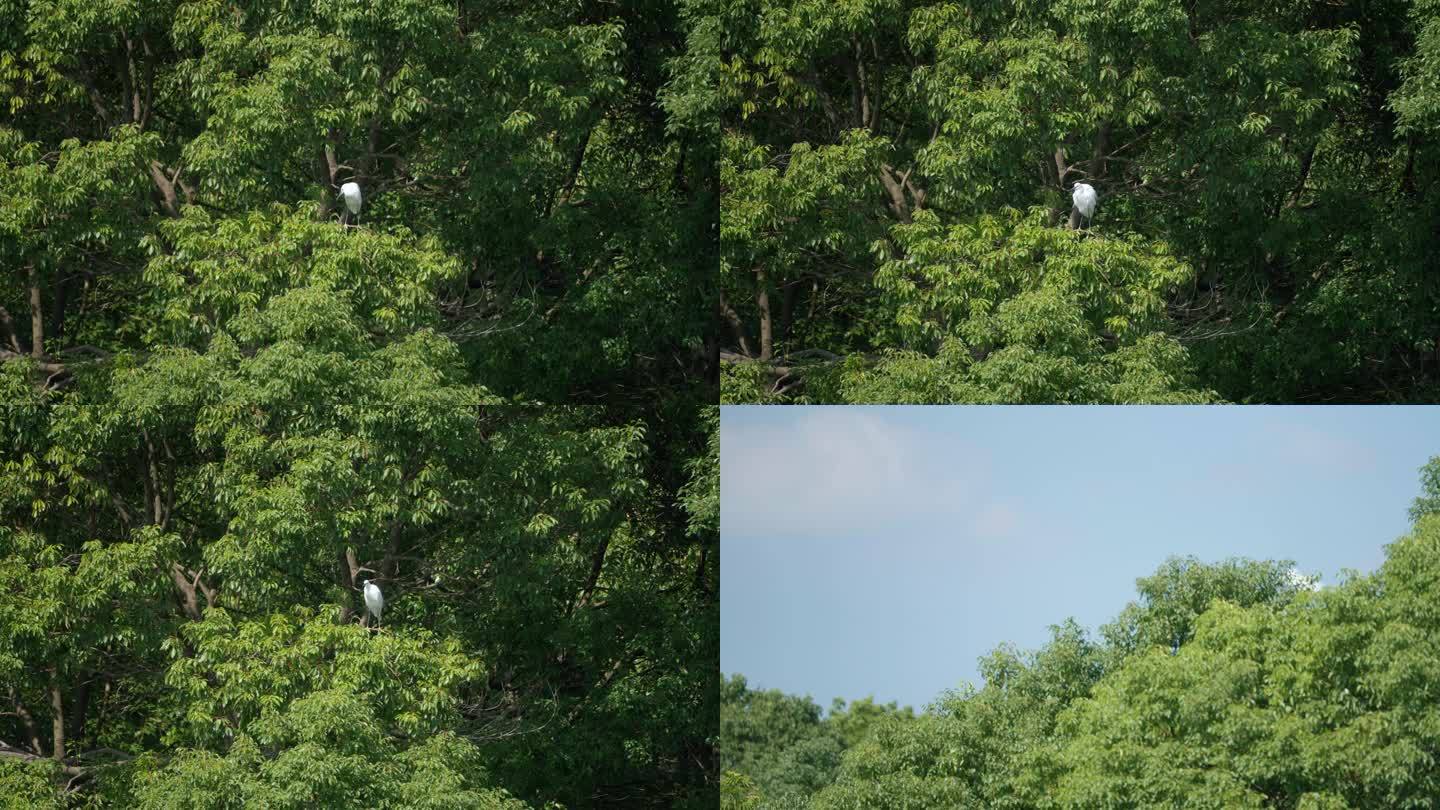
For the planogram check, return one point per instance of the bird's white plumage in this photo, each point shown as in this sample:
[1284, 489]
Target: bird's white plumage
[1085, 199]
[1303, 582]
[350, 192]
[374, 600]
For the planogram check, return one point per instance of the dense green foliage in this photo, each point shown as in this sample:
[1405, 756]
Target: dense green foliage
[779, 747]
[221, 407]
[1227, 685]
[897, 224]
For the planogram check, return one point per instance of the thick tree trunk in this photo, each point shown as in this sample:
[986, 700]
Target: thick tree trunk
[59, 291]
[895, 187]
[37, 315]
[57, 722]
[1097, 166]
[10, 333]
[787, 308]
[1099, 158]
[79, 708]
[762, 303]
[188, 601]
[166, 187]
[736, 326]
[597, 564]
[32, 734]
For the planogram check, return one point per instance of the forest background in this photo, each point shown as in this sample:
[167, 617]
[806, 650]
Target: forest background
[897, 223]
[492, 392]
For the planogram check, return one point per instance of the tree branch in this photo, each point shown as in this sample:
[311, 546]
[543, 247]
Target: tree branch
[187, 591]
[132, 76]
[9, 324]
[1097, 165]
[148, 103]
[895, 185]
[159, 515]
[57, 719]
[27, 720]
[80, 708]
[96, 99]
[596, 564]
[572, 177]
[736, 325]
[45, 366]
[37, 314]
[762, 303]
[166, 187]
[1305, 163]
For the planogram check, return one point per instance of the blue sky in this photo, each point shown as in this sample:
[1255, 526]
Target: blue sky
[881, 551]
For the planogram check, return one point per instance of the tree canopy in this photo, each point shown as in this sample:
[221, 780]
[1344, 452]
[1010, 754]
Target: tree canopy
[222, 408]
[1230, 684]
[896, 215]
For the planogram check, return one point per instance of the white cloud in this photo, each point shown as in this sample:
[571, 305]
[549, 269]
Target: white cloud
[826, 471]
[1314, 447]
[1001, 518]
[1304, 447]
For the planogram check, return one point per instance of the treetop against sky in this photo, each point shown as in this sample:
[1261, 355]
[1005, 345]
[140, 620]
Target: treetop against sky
[884, 551]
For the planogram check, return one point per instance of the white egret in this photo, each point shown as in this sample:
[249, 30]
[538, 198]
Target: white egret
[1303, 582]
[374, 600]
[350, 192]
[1085, 199]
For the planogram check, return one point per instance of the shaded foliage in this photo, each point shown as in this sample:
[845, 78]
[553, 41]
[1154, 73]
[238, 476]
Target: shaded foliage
[897, 226]
[223, 404]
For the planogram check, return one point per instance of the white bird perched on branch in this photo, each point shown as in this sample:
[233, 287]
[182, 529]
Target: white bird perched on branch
[374, 600]
[1085, 199]
[1303, 582]
[350, 193]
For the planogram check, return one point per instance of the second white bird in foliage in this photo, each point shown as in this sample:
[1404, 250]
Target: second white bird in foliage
[1303, 582]
[374, 600]
[1085, 199]
[350, 193]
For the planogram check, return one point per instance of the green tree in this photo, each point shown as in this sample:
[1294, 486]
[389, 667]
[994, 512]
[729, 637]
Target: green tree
[896, 179]
[737, 792]
[221, 407]
[1173, 598]
[1428, 501]
[777, 740]
[1233, 684]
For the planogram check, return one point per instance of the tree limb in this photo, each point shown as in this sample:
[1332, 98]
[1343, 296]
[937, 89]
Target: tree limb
[762, 303]
[166, 187]
[45, 366]
[37, 314]
[1299, 189]
[57, 719]
[572, 177]
[9, 324]
[159, 515]
[895, 186]
[27, 720]
[596, 564]
[736, 325]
